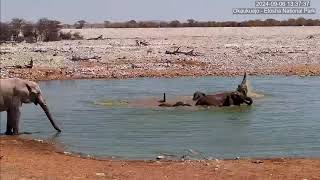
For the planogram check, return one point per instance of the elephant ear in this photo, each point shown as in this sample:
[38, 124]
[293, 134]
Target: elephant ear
[197, 95]
[29, 88]
[33, 95]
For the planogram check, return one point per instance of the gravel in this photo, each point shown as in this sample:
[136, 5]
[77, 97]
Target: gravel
[221, 51]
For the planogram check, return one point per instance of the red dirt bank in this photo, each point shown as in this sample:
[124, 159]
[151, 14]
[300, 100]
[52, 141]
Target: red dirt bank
[28, 159]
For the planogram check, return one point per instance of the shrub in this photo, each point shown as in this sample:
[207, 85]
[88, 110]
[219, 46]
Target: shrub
[16, 28]
[30, 33]
[48, 30]
[77, 36]
[80, 24]
[71, 36]
[65, 36]
[5, 32]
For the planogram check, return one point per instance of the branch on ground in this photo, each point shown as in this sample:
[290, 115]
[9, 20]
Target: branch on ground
[177, 51]
[97, 38]
[78, 58]
[28, 66]
[141, 43]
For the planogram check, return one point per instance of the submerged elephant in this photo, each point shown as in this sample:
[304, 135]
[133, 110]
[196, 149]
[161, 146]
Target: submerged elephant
[179, 103]
[237, 97]
[165, 104]
[13, 93]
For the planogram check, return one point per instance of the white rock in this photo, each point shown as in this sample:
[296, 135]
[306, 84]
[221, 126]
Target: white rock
[101, 174]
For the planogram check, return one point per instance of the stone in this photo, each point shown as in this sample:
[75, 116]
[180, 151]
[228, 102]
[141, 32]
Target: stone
[101, 174]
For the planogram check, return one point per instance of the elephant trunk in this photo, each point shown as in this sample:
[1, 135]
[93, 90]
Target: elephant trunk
[244, 80]
[248, 100]
[46, 110]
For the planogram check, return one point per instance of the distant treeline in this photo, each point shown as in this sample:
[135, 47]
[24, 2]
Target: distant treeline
[19, 30]
[193, 23]
[50, 30]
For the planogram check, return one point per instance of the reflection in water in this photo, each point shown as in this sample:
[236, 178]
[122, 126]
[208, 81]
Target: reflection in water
[275, 125]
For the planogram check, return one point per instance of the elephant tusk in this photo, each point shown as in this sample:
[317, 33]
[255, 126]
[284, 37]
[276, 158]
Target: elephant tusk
[248, 100]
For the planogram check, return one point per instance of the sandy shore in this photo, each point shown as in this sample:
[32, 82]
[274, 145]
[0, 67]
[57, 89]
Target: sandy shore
[29, 159]
[217, 52]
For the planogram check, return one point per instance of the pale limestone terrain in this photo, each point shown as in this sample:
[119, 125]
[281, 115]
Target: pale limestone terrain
[257, 50]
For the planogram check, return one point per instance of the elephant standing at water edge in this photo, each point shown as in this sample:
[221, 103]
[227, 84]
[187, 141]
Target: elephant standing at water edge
[13, 93]
[237, 97]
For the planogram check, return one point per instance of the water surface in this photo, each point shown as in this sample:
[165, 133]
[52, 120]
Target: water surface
[285, 122]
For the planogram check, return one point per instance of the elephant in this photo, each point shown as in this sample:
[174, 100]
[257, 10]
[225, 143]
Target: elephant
[237, 97]
[165, 104]
[179, 103]
[13, 93]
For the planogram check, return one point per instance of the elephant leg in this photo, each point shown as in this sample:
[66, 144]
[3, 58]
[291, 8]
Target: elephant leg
[13, 119]
[16, 120]
[9, 123]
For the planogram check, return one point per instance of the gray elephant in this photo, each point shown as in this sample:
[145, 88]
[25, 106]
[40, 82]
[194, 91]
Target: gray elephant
[237, 97]
[13, 93]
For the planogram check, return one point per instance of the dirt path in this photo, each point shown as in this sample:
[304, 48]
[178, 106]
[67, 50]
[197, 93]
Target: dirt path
[29, 159]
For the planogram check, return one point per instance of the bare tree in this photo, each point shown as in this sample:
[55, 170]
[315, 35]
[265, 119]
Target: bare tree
[174, 23]
[48, 30]
[29, 32]
[80, 24]
[16, 27]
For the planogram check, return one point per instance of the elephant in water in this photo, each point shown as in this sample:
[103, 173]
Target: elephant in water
[13, 93]
[165, 104]
[237, 97]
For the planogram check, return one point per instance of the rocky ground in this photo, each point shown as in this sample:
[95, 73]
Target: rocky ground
[29, 159]
[216, 51]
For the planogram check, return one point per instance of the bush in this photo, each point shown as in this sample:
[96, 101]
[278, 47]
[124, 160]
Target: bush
[49, 30]
[77, 36]
[66, 36]
[16, 28]
[71, 36]
[5, 32]
[30, 33]
[80, 24]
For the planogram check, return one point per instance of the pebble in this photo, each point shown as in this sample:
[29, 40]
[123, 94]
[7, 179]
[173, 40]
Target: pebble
[67, 153]
[257, 161]
[160, 157]
[101, 174]
[39, 140]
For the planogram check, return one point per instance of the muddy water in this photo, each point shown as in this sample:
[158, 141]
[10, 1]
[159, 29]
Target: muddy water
[96, 118]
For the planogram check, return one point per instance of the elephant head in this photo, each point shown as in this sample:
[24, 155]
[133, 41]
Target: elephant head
[197, 95]
[13, 93]
[242, 88]
[237, 98]
[240, 95]
[35, 96]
